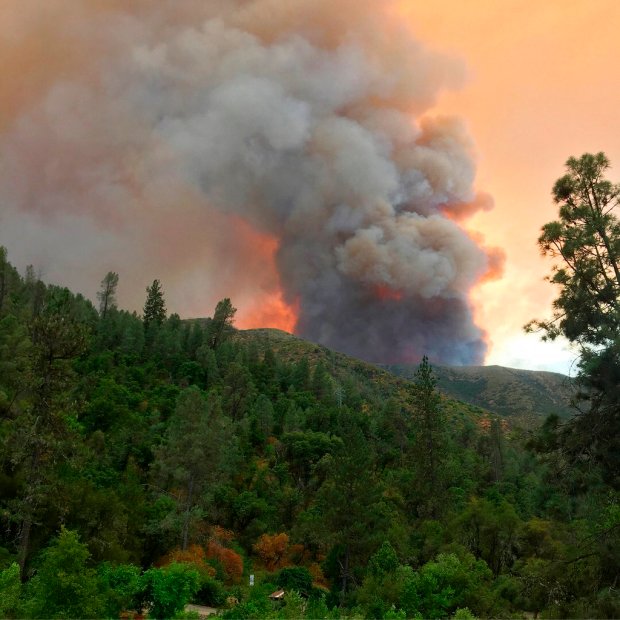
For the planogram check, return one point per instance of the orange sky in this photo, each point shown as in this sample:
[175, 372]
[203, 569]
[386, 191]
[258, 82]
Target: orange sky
[543, 85]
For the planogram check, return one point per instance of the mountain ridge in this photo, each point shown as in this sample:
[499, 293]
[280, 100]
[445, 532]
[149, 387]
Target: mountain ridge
[526, 395]
[506, 391]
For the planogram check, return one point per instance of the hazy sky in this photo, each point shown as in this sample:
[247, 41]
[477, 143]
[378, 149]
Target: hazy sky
[544, 84]
[110, 159]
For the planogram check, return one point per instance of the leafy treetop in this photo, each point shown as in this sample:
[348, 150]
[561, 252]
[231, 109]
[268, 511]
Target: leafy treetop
[586, 237]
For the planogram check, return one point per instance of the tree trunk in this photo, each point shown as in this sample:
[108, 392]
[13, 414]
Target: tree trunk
[24, 544]
[29, 509]
[188, 508]
[345, 573]
[2, 287]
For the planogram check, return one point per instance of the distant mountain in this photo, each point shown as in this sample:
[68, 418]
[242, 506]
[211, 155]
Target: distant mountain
[525, 395]
[509, 392]
[370, 380]
[292, 348]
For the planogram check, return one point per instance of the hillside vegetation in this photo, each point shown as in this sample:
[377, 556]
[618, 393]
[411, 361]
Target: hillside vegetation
[510, 392]
[524, 395]
[147, 462]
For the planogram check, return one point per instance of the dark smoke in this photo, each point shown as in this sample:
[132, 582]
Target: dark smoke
[158, 125]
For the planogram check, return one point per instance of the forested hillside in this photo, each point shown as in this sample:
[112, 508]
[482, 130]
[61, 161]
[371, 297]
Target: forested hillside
[148, 461]
[523, 394]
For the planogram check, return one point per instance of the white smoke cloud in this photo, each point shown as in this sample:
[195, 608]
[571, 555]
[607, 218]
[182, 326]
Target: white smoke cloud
[182, 135]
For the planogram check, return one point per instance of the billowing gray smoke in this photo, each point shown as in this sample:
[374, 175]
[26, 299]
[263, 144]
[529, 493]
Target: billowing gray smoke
[176, 139]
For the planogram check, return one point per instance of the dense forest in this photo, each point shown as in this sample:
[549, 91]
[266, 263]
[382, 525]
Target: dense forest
[149, 461]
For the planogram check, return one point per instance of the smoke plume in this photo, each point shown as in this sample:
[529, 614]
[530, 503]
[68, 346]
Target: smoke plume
[279, 153]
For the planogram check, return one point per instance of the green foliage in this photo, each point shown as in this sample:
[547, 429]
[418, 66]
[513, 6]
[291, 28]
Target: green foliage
[489, 530]
[430, 444]
[154, 312]
[586, 239]
[381, 589]
[188, 459]
[121, 584]
[441, 586]
[211, 592]
[296, 578]
[220, 328]
[64, 586]
[148, 441]
[238, 391]
[350, 502]
[257, 604]
[304, 450]
[384, 561]
[169, 589]
[10, 589]
[317, 608]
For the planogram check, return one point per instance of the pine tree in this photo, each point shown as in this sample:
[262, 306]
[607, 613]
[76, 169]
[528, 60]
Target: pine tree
[349, 504]
[221, 325]
[154, 306]
[40, 431]
[190, 457]
[107, 293]
[430, 431]
[586, 241]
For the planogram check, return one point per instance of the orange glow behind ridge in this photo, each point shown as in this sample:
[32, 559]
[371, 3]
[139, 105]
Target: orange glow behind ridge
[542, 85]
[269, 311]
[268, 308]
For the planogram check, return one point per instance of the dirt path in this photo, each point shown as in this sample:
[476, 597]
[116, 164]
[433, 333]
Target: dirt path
[203, 611]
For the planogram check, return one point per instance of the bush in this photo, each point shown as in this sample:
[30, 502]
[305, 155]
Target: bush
[229, 561]
[123, 585]
[297, 578]
[64, 587]
[444, 585]
[167, 590]
[10, 587]
[211, 592]
[271, 549]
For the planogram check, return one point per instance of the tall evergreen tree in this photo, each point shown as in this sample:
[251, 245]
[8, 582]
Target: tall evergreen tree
[586, 239]
[154, 306]
[349, 503]
[107, 293]
[221, 325]
[430, 432]
[190, 458]
[37, 438]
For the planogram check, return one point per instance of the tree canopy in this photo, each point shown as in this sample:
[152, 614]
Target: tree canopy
[141, 469]
[586, 240]
[154, 306]
[107, 293]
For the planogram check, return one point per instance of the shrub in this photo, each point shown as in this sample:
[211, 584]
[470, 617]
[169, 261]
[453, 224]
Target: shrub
[271, 549]
[297, 578]
[230, 561]
[64, 586]
[168, 589]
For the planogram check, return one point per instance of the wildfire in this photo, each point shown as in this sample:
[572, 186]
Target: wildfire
[269, 311]
[268, 307]
[385, 293]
